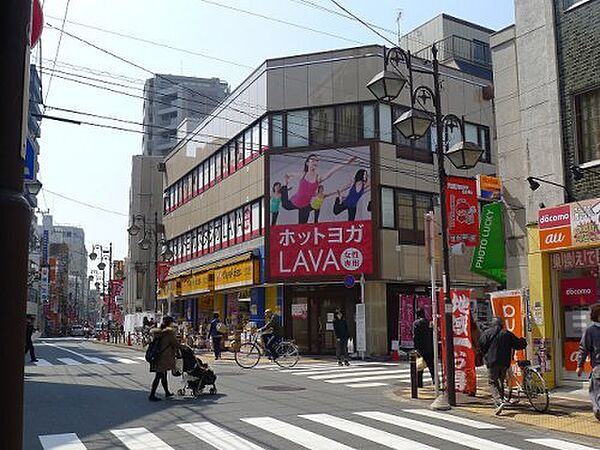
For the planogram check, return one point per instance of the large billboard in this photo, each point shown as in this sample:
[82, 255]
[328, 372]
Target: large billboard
[320, 213]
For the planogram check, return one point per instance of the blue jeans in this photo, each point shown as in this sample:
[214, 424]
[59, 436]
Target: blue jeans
[270, 341]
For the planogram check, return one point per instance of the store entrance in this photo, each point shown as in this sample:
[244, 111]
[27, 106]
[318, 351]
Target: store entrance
[312, 312]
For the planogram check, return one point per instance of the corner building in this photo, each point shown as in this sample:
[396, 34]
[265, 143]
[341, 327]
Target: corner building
[299, 181]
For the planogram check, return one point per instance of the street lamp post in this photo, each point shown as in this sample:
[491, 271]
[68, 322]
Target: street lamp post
[414, 124]
[105, 255]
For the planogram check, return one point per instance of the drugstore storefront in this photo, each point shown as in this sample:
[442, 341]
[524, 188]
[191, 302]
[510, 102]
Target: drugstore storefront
[564, 268]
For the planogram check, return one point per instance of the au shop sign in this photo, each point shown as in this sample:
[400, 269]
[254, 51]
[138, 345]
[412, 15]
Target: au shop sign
[321, 249]
[572, 225]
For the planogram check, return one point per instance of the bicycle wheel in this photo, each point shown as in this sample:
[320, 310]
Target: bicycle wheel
[248, 355]
[287, 355]
[535, 389]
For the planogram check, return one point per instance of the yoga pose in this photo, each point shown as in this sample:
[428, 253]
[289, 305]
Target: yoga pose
[307, 187]
[317, 201]
[275, 202]
[357, 190]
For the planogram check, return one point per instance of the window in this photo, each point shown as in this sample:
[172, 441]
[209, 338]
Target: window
[348, 123]
[412, 207]
[568, 4]
[297, 128]
[239, 225]
[218, 166]
[368, 113]
[264, 134]
[217, 234]
[321, 126]
[587, 119]
[205, 167]
[231, 227]
[232, 159]
[255, 140]
[247, 222]
[255, 219]
[385, 122]
[481, 52]
[194, 177]
[480, 135]
[211, 162]
[239, 149]
[247, 146]
[277, 130]
[388, 218]
[225, 230]
[225, 160]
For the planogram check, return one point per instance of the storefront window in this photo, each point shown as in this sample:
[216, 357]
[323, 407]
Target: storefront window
[297, 128]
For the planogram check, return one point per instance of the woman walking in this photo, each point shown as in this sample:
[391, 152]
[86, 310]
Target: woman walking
[165, 356]
[590, 345]
[215, 335]
[340, 328]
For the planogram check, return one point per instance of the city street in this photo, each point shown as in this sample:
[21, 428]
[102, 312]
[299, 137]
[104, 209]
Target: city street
[85, 395]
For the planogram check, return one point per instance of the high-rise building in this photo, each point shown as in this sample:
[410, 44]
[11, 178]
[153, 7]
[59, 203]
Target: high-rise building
[168, 100]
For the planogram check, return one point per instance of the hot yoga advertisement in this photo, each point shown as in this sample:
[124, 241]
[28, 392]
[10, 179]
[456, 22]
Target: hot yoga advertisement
[320, 213]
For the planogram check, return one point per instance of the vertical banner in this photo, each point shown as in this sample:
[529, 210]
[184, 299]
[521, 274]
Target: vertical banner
[406, 317]
[464, 351]
[361, 330]
[424, 303]
[489, 257]
[462, 209]
[509, 306]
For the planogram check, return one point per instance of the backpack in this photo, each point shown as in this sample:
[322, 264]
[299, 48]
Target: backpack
[153, 352]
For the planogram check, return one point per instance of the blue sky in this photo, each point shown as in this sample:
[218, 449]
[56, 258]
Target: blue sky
[94, 164]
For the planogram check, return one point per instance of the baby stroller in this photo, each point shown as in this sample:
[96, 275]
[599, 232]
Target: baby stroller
[194, 373]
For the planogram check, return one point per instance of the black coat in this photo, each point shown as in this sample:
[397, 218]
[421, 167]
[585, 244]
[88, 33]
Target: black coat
[497, 346]
[423, 337]
[340, 328]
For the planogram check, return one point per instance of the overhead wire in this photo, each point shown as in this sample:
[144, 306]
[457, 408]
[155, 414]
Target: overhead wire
[89, 205]
[62, 29]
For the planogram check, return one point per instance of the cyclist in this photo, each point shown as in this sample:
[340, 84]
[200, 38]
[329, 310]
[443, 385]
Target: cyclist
[497, 345]
[271, 332]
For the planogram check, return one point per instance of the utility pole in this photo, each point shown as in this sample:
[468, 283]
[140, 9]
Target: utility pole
[16, 213]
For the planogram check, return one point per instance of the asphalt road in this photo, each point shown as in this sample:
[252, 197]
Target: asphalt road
[84, 395]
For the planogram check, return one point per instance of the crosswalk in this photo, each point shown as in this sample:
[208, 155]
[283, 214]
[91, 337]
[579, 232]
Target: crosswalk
[83, 359]
[360, 374]
[408, 429]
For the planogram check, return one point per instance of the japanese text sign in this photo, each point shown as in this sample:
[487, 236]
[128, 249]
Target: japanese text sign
[571, 225]
[406, 317]
[234, 275]
[462, 210]
[575, 259]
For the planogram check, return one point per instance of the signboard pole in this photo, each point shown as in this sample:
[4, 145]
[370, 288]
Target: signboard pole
[429, 230]
[363, 329]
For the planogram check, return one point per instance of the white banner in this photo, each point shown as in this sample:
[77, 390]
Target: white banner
[361, 329]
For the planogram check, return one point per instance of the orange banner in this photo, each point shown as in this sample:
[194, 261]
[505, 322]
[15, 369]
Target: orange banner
[509, 306]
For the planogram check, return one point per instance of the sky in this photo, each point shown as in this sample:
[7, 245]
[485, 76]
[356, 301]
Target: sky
[92, 164]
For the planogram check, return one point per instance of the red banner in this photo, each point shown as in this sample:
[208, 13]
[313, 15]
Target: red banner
[162, 270]
[406, 317]
[462, 209]
[317, 249]
[464, 351]
[424, 303]
[578, 291]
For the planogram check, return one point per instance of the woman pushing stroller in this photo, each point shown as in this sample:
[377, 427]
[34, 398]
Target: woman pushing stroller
[164, 350]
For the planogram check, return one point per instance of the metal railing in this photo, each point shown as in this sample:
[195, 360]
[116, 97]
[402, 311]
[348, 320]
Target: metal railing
[457, 47]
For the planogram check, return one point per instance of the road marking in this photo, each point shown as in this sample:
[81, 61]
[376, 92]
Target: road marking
[69, 361]
[558, 444]
[42, 363]
[140, 439]
[123, 360]
[352, 373]
[344, 369]
[141, 358]
[297, 435]
[81, 355]
[67, 441]
[366, 385]
[333, 366]
[372, 434]
[218, 437]
[446, 434]
[368, 379]
[97, 360]
[454, 419]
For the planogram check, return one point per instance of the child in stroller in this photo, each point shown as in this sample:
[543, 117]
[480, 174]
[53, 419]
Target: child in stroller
[194, 373]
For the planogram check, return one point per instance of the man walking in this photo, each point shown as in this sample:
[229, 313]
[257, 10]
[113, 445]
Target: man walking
[590, 345]
[423, 339]
[340, 328]
[29, 329]
[497, 345]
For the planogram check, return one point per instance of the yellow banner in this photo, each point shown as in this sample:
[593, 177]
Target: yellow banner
[163, 292]
[235, 275]
[199, 283]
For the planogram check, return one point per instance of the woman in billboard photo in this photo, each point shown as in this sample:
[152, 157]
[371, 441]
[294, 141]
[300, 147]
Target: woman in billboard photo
[358, 188]
[317, 201]
[275, 202]
[308, 186]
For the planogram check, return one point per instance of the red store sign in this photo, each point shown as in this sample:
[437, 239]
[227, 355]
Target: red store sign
[317, 249]
[555, 217]
[578, 291]
[574, 259]
[462, 209]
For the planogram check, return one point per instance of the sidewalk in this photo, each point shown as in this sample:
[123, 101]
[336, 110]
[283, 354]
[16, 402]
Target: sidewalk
[569, 411]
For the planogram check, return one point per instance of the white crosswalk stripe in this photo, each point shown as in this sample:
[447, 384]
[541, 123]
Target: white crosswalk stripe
[42, 363]
[372, 434]
[353, 373]
[66, 441]
[454, 419]
[218, 437]
[295, 434]
[140, 439]
[399, 377]
[124, 360]
[447, 434]
[366, 385]
[69, 361]
[559, 444]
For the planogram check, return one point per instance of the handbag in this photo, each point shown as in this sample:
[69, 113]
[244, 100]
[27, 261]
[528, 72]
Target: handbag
[421, 365]
[221, 328]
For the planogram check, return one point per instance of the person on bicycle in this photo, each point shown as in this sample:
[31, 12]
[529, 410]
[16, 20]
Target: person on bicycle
[497, 345]
[590, 345]
[271, 332]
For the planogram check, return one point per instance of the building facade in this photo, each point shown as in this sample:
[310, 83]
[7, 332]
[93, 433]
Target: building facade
[309, 201]
[548, 122]
[168, 100]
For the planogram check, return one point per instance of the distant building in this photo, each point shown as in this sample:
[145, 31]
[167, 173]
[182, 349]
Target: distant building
[168, 100]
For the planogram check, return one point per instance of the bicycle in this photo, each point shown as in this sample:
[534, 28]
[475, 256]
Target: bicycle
[249, 353]
[533, 386]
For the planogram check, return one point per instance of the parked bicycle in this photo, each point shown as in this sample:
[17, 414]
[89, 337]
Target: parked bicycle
[286, 355]
[533, 386]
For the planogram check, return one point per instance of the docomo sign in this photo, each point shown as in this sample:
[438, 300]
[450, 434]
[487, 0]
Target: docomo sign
[578, 291]
[554, 217]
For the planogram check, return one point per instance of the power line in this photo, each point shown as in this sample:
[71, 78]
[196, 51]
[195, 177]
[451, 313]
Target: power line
[366, 24]
[62, 28]
[89, 205]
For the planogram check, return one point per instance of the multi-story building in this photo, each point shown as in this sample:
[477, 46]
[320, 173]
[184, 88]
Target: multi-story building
[547, 105]
[309, 200]
[168, 100]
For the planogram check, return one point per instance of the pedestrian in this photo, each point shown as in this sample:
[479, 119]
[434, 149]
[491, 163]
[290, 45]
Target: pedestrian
[165, 360]
[497, 345]
[215, 335]
[271, 333]
[423, 341]
[590, 345]
[29, 330]
[340, 329]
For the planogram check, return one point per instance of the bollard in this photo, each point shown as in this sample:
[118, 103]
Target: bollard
[129, 339]
[412, 358]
